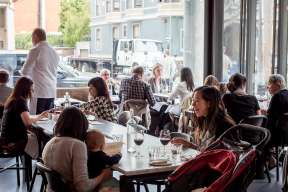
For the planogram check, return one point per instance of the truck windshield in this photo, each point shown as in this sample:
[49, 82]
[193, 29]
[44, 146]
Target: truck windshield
[148, 46]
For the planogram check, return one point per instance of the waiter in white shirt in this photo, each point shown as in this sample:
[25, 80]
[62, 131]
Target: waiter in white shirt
[41, 66]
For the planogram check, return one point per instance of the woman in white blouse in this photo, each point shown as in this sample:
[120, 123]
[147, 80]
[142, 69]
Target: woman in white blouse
[185, 87]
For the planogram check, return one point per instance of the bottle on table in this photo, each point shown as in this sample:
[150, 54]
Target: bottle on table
[67, 102]
[130, 132]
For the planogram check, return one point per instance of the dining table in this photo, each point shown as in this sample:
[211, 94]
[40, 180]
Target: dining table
[130, 167]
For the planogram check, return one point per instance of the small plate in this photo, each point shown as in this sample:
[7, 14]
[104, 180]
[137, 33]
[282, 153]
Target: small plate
[44, 119]
[160, 162]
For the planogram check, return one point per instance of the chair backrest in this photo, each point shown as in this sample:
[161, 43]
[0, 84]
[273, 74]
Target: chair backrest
[282, 129]
[211, 169]
[123, 118]
[243, 134]
[256, 120]
[54, 179]
[180, 135]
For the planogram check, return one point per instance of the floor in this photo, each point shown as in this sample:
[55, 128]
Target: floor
[8, 182]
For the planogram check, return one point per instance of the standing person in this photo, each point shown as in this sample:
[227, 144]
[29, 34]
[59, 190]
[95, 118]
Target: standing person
[238, 103]
[185, 86]
[157, 83]
[169, 66]
[41, 66]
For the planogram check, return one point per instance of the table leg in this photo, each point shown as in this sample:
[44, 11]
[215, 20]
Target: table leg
[126, 184]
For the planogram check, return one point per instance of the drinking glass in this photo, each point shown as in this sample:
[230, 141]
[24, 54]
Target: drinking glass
[138, 140]
[164, 137]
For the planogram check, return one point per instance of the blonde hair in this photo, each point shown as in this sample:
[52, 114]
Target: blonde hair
[156, 66]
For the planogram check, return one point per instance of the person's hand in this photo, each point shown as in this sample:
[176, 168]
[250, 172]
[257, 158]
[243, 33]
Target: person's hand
[43, 115]
[106, 174]
[263, 112]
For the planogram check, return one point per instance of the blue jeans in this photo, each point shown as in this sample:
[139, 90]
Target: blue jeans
[44, 104]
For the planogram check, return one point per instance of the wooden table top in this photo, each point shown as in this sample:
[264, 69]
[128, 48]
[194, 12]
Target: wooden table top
[129, 165]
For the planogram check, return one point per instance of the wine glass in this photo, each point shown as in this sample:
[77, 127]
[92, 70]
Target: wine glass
[138, 140]
[164, 137]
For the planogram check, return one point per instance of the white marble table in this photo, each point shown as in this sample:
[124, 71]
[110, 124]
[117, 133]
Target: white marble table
[130, 166]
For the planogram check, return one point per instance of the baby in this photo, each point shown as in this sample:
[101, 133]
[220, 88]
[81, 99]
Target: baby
[97, 159]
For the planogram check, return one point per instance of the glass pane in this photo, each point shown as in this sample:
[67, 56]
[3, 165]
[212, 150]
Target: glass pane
[231, 38]
[264, 45]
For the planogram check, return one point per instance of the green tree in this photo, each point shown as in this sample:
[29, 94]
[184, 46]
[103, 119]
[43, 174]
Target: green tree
[74, 21]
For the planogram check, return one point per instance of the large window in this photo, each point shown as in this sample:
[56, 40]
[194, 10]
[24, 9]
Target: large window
[136, 31]
[98, 38]
[138, 3]
[108, 6]
[231, 38]
[115, 32]
[116, 5]
[264, 44]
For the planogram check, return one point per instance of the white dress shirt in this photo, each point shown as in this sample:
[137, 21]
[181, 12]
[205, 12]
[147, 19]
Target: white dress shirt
[41, 66]
[180, 90]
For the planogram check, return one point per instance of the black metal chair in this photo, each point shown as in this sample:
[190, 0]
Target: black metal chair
[54, 179]
[18, 165]
[281, 133]
[260, 121]
[256, 120]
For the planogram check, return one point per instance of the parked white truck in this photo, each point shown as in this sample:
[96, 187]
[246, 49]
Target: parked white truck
[126, 53]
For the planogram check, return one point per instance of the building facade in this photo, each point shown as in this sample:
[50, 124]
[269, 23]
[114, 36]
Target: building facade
[7, 40]
[30, 14]
[160, 20]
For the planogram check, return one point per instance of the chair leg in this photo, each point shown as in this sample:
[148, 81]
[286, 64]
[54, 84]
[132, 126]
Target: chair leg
[33, 179]
[277, 164]
[42, 189]
[159, 188]
[18, 170]
[138, 186]
[146, 187]
[267, 173]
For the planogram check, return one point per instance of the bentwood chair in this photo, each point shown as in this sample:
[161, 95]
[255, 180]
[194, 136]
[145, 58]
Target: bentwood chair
[54, 179]
[18, 165]
[256, 120]
[281, 133]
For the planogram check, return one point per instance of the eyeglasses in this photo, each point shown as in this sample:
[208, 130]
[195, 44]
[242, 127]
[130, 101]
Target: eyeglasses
[106, 74]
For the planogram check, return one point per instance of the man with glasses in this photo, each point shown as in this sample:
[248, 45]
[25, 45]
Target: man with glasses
[278, 104]
[111, 84]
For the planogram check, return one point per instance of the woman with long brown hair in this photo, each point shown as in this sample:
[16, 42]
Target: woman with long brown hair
[209, 116]
[16, 118]
[186, 85]
[100, 104]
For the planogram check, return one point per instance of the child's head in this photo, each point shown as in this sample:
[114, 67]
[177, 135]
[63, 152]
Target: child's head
[95, 139]
[4, 76]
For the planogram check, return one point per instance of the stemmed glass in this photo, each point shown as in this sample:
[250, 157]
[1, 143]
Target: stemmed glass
[138, 140]
[164, 137]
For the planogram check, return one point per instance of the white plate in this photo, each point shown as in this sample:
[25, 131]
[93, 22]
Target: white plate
[160, 162]
[95, 122]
